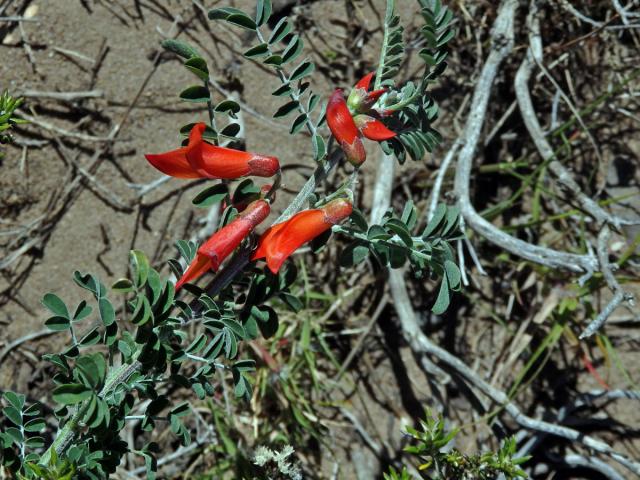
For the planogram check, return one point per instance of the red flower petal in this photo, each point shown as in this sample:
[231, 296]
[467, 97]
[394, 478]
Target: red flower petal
[365, 81]
[300, 229]
[360, 99]
[373, 96]
[344, 128]
[200, 159]
[173, 163]
[227, 239]
[212, 161]
[339, 119]
[200, 265]
[373, 129]
[265, 240]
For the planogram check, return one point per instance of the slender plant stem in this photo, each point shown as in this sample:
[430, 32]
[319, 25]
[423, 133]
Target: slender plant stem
[321, 172]
[294, 94]
[67, 434]
[385, 40]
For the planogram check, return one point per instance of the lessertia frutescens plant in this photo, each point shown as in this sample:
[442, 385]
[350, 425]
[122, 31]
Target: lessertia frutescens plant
[123, 362]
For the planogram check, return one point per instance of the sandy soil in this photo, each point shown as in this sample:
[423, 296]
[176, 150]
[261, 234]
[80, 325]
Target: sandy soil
[94, 229]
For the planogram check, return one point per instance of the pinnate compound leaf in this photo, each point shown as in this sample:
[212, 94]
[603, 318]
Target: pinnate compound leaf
[89, 282]
[453, 274]
[436, 220]
[400, 229]
[90, 338]
[259, 50]
[409, 215]
[233, 16]
[313, 102]
[245, 365]
[298, 123]
[15, 434]
[93, 368]
[230, 130]
[14, 415]
[35, 425]
[267, 319]
[139, 265]
[293, 302]
[354, 254]
[319, 148]
[358, 220]
[122, 285]
[228, 106]
[223, 12]
[242, 20]
[283, 90]
[275, 60]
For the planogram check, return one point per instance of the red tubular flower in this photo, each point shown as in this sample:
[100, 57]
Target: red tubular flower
[203, 160]
[373, 129]
[344, 128]
[281, 240]
[222, 243]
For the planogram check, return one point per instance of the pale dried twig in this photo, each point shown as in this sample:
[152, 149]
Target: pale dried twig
[442, 171]
[502, 37]
[63, 96]
[564, 178]
[619, 295]
[421, 345]
[61, 131]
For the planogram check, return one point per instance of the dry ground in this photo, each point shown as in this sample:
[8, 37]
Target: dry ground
[56, 219]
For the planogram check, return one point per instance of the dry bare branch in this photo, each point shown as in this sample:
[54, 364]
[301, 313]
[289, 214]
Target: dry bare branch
[502, 41]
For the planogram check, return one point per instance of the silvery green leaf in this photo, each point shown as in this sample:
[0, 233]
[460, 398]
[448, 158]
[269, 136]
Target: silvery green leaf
[281, 30]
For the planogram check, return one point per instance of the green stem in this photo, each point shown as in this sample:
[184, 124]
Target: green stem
[385, 40]
[212, 114]
[321, 172]
[395, 240]
[67, 434]
[294, 94]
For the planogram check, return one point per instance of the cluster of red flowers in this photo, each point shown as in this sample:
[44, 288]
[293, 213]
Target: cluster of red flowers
[356, 117]
[347, 120]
